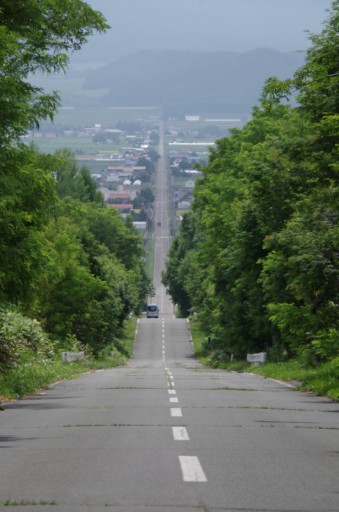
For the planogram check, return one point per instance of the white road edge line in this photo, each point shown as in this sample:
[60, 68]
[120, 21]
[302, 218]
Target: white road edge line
[191, 469]
[286, 384]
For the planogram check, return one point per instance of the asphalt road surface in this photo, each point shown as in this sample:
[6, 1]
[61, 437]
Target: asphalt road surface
[164, 434]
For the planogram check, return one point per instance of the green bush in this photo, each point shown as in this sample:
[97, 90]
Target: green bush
[326, 344]
[20, 336]
[32, 374]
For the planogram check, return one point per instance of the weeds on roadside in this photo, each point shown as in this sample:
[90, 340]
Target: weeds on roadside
[320, 379]
[33, 373]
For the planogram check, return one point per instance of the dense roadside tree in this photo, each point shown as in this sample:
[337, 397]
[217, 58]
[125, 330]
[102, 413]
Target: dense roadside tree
[179, 265]
[306, 244]
[66, 259]
[85, 290]
[35, 36]
[27, 201]
[263, 271]
[55, 267]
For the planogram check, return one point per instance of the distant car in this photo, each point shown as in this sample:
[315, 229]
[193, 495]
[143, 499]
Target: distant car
[152, 311]
[159, 224]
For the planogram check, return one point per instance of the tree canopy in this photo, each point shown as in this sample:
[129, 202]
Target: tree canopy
[37, 36]
[67, 261]
[257, 258]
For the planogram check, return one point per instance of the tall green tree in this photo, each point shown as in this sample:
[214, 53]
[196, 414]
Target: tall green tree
[37, 36]
[27, 201]
[316, 84]
[179, 265]
[265, 224]
[72, 181]
[86, 286]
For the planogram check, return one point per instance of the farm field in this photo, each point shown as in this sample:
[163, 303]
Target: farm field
[106, 116]
[83, 146]
[52, 137]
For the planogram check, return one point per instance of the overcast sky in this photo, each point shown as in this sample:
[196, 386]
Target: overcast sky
[205, 25]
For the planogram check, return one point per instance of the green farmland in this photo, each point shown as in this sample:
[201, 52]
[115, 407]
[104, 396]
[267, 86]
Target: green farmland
[108, 117]
[52, 137]
[80, 145]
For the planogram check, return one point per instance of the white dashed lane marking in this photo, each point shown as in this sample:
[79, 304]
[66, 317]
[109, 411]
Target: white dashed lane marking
[176, 412]
[191, 469]
[180, 434]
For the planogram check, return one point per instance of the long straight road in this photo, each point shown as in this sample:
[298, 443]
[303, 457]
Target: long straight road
[164, 434]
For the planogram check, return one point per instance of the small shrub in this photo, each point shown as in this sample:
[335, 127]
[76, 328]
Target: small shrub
[20, 335]
[326, 344]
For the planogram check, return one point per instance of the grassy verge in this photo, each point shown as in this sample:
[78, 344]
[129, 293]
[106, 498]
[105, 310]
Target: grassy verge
[322, 380]
[128, 338]
[33, 375]
[198, 337]
[149, 253]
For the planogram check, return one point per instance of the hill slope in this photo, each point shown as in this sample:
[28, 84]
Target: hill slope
[190, 82]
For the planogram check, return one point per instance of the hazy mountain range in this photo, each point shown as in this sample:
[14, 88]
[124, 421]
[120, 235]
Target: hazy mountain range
[192, 82]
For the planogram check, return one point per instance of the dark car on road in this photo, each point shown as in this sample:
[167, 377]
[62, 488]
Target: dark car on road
[152, 311]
